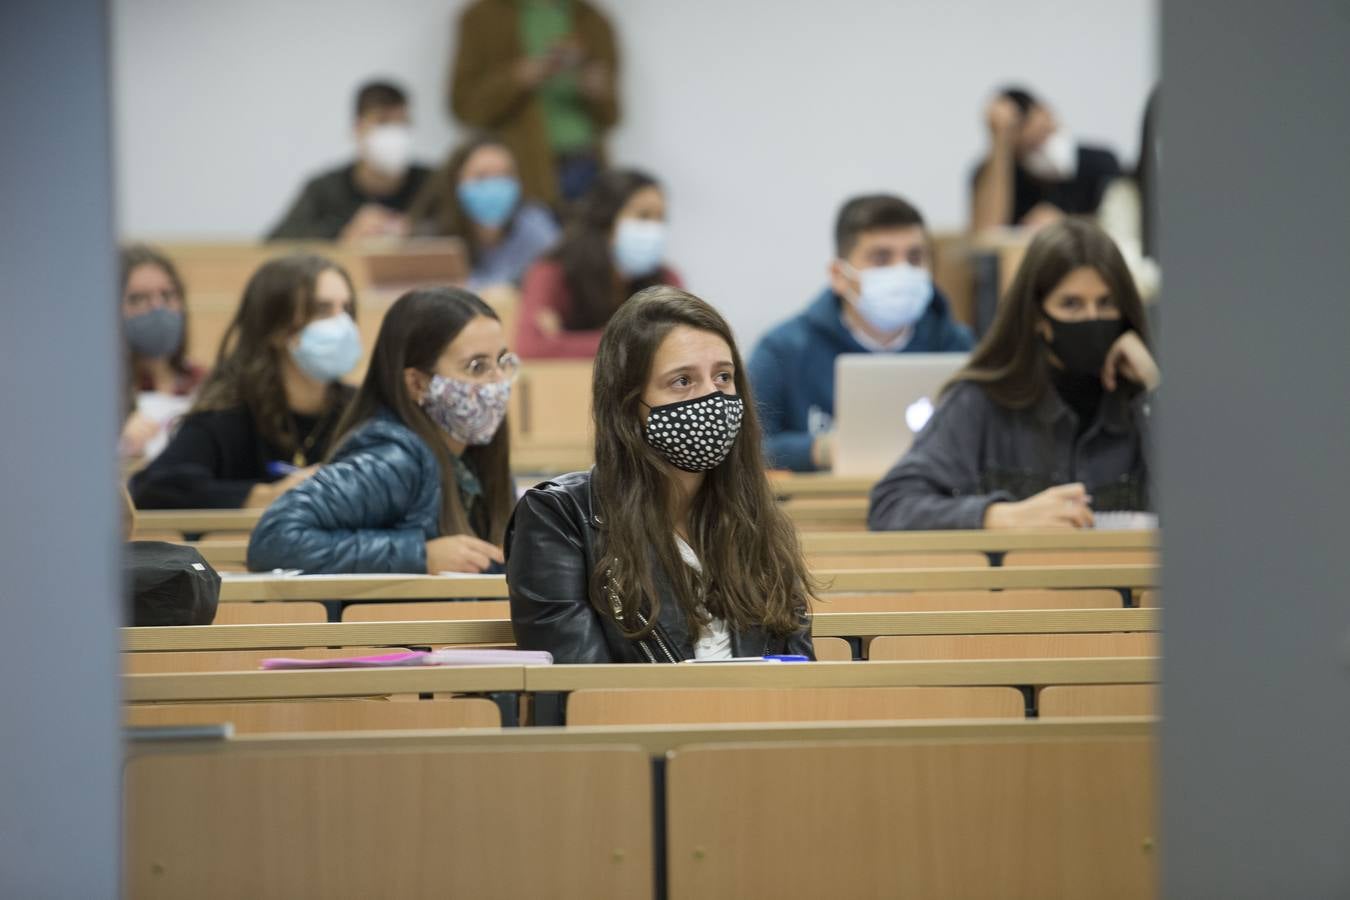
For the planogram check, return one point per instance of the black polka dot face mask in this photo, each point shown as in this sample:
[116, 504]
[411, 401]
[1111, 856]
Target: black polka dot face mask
[696, 435]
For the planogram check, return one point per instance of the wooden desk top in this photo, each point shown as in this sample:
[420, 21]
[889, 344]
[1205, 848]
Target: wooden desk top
[1005, 621]
[984, 541]
[265, 685]
[818, 484]
[361, 587]
[331, 634]
[367, 588]
[658, 740]
[197, 520]
[233, 552]
[987, 579]
[1121, 670]
[498, 631]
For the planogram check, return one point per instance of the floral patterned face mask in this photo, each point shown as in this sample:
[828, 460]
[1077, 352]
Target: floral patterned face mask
[469, 412]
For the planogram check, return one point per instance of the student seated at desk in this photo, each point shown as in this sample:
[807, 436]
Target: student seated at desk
[613, 245]
[420, 483]
[1049, 420]
[367, 198]
[881, 299]
[154, 324]
[268, 411]
[476, 198]
[672, 546]
[1034, 172]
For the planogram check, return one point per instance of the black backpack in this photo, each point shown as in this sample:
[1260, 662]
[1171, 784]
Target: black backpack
[169, 584]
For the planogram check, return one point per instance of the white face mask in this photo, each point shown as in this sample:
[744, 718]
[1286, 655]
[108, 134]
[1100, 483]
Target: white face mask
[1056, 159]
[891, 297]
[388, 149]
[328, 348]
[639, 246]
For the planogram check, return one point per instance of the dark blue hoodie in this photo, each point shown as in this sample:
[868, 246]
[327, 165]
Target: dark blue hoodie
[792, 371]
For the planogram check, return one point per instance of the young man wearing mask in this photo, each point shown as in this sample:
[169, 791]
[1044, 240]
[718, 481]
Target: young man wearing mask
[1035, 172]
[881, 299]
[367, 198]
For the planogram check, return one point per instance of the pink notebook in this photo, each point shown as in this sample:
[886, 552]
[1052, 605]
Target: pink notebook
[448, 657]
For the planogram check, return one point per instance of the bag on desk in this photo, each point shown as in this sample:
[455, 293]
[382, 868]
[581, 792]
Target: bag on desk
[169, 584]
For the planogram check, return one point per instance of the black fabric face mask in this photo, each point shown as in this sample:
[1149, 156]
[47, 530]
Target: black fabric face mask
[1082, 346]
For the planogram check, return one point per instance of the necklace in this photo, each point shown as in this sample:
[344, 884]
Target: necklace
[303, 448]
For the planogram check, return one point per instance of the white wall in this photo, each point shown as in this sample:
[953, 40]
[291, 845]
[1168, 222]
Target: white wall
[760, 115]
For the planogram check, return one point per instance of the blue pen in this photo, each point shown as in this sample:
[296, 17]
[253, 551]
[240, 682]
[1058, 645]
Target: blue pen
[278, 469]
[787, 657]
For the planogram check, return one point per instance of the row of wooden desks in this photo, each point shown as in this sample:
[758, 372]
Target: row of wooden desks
[233, 552]
[205, 686]
[368, 588]
[498, 631]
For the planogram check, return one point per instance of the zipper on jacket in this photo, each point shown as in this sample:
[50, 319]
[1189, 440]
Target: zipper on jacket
[656, 636]
[611, 589]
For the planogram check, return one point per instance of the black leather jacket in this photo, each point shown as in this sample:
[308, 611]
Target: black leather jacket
[551, 550]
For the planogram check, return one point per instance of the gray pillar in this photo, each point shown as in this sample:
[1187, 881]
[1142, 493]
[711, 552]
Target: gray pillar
[60, 751]
[1255, 448]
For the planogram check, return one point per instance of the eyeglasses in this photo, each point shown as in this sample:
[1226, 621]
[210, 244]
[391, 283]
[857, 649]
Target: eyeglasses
[505, 368]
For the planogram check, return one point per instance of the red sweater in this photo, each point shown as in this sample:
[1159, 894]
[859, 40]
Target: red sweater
[545, 289]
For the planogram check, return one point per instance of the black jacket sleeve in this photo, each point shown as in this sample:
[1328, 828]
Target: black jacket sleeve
[191, 472]
[315, 215]
[548, 577]
[937, 483]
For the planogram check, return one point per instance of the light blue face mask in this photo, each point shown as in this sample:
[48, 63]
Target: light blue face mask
[639, 246]
[328, 348]
[489, 201]
[892, 297]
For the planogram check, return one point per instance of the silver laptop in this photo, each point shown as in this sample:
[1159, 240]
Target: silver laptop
[881, 401]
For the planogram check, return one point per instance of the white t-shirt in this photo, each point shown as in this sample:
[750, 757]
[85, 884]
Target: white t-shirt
[714, 639]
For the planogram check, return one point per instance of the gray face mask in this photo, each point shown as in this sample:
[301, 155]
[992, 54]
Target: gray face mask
[155, 334]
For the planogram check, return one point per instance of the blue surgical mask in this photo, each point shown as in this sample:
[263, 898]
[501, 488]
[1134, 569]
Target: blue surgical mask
[639, 246]
[328, 348]
[156, 333]
[489, 201]
[892, 297]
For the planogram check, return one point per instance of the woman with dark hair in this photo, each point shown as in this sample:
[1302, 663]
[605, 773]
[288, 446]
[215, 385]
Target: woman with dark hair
[476, 197]
[671, 547]
[613, 245]
[420, 482]
[1047, 422]
[154, 328]
[268, 411]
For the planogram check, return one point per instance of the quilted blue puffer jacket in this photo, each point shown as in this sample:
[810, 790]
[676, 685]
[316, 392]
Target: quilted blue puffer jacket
[372, 509]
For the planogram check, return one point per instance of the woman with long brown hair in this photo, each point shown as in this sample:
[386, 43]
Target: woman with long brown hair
[268, 411]
[1048, 421]
[671, 547]
[613, 245]
[160, 378]
[420, 480]
[476, 197]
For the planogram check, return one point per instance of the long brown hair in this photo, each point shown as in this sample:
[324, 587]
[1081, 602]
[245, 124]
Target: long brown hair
[133, 257]
[278, 299]
[584, 252]
[753, 570]
[438, 202]
[415, 332]
[1011, 363]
